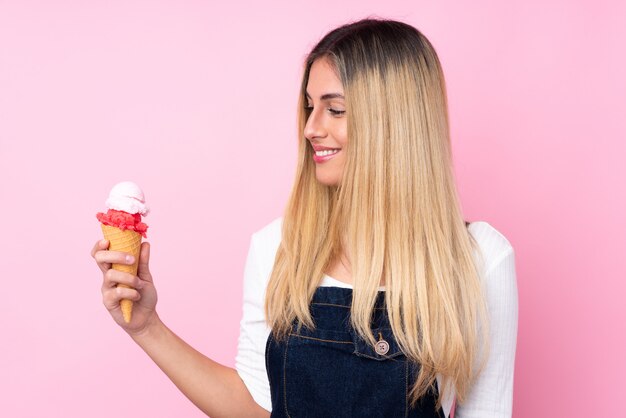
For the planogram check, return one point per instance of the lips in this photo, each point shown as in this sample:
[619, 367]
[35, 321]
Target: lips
[324, 154]
[321, 147]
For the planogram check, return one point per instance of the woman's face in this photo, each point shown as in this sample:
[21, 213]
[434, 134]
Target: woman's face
[326, 127]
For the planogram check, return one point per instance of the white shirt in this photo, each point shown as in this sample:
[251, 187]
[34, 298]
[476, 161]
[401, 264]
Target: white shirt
[492, 394]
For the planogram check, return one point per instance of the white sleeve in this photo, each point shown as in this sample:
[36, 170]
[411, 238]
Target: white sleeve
[250, 358]
[491, 396]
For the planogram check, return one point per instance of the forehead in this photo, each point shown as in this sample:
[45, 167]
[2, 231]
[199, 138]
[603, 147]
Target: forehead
[322, 79]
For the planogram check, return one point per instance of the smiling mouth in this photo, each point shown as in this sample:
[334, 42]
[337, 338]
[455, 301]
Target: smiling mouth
[322, 156]
[326, 152]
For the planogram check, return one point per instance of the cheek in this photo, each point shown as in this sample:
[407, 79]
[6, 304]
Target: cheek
[342, 135]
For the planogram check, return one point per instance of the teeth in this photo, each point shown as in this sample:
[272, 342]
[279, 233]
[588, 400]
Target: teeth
[326, 152]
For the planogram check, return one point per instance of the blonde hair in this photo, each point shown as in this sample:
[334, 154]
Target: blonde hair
[396, 211]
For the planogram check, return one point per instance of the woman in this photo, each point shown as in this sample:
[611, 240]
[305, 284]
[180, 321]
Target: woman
[371, 296]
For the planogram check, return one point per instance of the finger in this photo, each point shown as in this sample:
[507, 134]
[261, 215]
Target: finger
[99, 246]
[106, 258]
[114, 277]
[102, 244]
[111, 298]
[143, 268]
[110, 257]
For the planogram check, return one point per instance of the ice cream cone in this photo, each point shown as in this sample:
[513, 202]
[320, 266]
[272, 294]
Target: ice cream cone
[126, 241]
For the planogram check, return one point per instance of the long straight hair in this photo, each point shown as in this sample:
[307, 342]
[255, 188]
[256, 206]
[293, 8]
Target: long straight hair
[396, 211]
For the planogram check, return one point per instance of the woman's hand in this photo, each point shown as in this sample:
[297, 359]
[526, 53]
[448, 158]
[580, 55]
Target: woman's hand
[214, 388]
[143, 293]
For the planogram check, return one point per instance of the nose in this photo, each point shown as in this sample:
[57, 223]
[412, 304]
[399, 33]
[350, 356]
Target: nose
[314, 127]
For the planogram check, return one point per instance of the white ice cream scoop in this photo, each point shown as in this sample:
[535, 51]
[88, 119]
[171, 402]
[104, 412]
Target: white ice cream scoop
[127, 197]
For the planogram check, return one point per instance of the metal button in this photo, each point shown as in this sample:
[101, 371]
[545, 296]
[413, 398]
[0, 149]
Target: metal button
[382, 347]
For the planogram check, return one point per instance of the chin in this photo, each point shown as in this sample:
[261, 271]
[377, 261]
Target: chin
[328, 180]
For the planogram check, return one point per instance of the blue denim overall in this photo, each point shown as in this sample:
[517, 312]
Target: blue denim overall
[331, 372]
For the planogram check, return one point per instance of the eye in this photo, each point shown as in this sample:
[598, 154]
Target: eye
[332, 111]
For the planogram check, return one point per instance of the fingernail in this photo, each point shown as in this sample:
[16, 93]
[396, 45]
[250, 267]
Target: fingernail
[130, 259]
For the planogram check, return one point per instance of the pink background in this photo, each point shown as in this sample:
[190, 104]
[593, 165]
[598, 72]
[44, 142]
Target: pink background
[196, 103]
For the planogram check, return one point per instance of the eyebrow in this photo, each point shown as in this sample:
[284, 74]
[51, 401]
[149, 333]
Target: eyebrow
[327, 96]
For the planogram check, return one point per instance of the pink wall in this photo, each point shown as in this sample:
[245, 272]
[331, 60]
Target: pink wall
[196, 103]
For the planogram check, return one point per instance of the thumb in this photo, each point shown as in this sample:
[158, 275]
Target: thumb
[143, 268]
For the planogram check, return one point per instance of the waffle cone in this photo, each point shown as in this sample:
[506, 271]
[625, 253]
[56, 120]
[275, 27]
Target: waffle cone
[126, 241]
